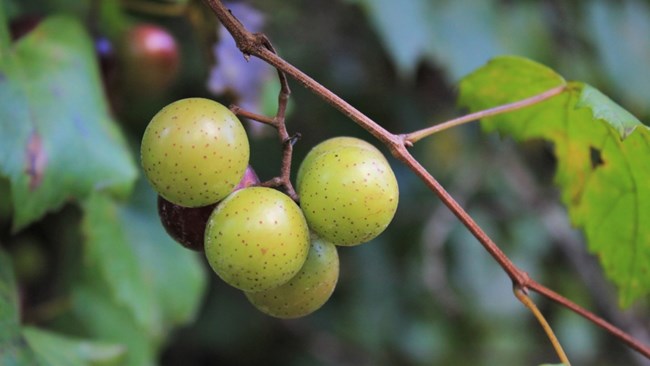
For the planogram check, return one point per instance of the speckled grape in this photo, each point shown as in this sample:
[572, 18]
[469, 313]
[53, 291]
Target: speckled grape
[330, 144]
[308, 290]
[194, 152]
[256, 239]
[187, 225]
[348, 193]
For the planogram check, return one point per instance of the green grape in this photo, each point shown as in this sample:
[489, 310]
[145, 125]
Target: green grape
[348, 193]
[194, 152]
[308, 290]
[257, 238]
[330, 144]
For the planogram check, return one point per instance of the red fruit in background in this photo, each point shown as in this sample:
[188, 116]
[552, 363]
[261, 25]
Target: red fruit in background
[186, 225]
[150, 59]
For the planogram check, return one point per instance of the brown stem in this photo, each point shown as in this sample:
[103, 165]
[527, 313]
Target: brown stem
[237, 110]
[518, 277]
[618, 333]
[253, 44]
[257, 45]
[284, 180]
[283, 134]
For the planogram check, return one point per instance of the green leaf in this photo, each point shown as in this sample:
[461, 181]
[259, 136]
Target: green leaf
[110, 252]
[58, 139]
[158, 281]
[109, 321]
[603, 155]
[135, 275]
[55, 349]
[176, 275]
[13, 348]
[605, 109]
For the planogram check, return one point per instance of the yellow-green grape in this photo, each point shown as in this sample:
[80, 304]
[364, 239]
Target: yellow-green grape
[194, 152]
[308, 290]
[330, 144]
[256, 239]
[348, 193]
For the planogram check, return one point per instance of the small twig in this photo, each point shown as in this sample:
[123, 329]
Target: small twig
[523, 297]
[283, 134]
[416, 136]
[284, 180]
[253, 116]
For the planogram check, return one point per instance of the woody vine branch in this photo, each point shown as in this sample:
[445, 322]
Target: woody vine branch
[257, 45]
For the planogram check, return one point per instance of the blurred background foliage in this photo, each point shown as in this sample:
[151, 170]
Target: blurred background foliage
[98, 270]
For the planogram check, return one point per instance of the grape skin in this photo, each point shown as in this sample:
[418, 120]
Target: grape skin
[349, 194]
[329, 144]
[308, 290]
[256, 239]
[187, 225]
[194, 152]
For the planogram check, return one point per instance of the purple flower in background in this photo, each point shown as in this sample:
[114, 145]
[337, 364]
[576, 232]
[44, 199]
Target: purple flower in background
[232, 73]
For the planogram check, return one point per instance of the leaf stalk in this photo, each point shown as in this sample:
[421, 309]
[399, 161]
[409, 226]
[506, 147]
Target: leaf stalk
[528, 302]
[416, 136]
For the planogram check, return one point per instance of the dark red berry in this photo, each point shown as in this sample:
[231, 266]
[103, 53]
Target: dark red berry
[186, 225]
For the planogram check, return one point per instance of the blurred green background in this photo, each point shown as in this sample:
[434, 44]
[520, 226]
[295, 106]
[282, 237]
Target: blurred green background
[424, 292]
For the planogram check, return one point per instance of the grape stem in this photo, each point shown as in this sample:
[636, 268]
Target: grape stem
[240, 112]
[278, 122]
[256, 44]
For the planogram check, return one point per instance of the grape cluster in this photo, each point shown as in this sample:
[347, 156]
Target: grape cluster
[283, 256]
